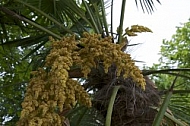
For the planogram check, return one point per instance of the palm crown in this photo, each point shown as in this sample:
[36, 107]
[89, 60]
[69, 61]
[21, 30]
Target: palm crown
[25, 30]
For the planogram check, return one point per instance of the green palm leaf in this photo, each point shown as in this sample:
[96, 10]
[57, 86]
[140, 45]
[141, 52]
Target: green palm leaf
[82, 116]
[146, 4]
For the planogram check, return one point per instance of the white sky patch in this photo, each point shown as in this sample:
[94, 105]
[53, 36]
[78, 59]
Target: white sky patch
[162, 22]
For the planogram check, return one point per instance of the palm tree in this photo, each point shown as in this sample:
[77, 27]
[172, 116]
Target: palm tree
[26, 27]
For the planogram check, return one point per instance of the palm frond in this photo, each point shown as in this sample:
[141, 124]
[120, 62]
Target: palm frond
[82, 116]
[146, 4]
[24, 42]
[180, 106]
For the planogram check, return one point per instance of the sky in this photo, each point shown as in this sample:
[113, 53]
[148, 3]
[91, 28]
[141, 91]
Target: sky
[163, 22]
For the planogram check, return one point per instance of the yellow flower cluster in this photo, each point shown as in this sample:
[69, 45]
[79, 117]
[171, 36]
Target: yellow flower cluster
[39, 104]
[76, 93]
[61, 58]
[49, 91]
[136, 28]
[98, 49]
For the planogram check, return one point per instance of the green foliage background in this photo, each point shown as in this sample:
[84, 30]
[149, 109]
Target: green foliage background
[175, 57]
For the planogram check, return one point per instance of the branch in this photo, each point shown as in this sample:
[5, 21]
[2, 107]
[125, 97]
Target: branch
[175, 92]
[76, 73]
[167, 71]
[148, 72]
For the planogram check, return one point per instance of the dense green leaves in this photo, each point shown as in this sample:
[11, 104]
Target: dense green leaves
[15, 68]
[13, 80]
[178, 47]
[176, 54]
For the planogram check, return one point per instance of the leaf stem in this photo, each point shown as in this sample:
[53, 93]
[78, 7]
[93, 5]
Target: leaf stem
[110, 106]
[164, 105]
[104, 18]
[121, 21]
[91, 17]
